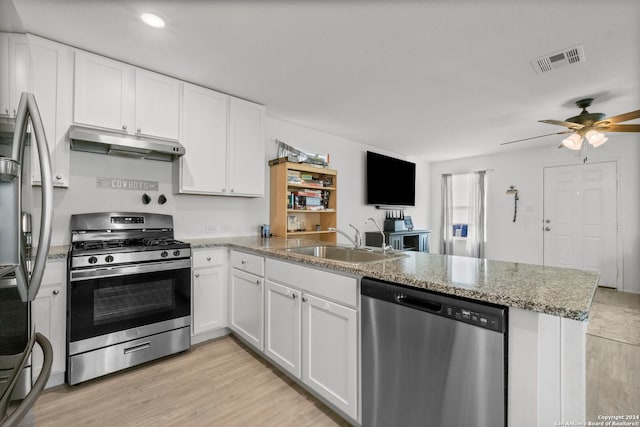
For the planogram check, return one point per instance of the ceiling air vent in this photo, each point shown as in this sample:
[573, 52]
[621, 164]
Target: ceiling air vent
[556, 60]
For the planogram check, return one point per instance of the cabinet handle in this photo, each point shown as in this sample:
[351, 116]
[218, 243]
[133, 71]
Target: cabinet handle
[124, 127]
[232, 190]
[6, 111]
[208, 258]
[58, 177]
[257, 282]
[326, 306]
[224, 189]
[243, 262]
[304, 299]
[294, 296]
[139, 130]
[197, 274]
[14, 111]
[56, 291]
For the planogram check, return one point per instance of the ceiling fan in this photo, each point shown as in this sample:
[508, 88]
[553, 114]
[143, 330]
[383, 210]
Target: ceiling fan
[588, 126]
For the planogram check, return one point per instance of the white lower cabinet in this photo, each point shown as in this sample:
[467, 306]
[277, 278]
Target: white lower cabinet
[48, 312]
[246, 307]
[330, 352]
[209, 290]
[311, 330]
[283, 326]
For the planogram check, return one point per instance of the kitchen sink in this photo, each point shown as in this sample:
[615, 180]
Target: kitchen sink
[343, 254]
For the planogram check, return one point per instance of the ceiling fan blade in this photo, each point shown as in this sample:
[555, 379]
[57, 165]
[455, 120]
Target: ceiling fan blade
[619, 128]
[620, 118]
[570, 125]
[540, 136]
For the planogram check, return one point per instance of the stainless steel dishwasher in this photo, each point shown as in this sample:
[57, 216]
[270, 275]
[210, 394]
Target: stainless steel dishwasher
[431, 360]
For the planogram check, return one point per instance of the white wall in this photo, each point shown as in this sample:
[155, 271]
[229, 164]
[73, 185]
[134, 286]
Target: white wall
[214, 216]
[348, 158]
[522, 241]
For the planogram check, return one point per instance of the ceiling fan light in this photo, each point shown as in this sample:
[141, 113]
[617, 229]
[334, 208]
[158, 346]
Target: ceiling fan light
[596, 138]
[573, 142]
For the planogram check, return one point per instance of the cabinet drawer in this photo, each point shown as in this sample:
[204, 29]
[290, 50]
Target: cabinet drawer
[329, 285]
[247, 262]
[208, 257]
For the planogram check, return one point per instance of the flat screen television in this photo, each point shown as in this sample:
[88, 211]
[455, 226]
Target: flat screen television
[390, 181]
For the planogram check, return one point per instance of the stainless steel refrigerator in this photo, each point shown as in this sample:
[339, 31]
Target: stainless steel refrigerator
[21, 270]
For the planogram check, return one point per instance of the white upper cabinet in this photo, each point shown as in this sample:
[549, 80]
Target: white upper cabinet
[14, 71]
[116, 96]
[203, 169]
[246, 146]
[224, 142]
[5, 108]
[157, 105]
[101, 89]
[51, 82]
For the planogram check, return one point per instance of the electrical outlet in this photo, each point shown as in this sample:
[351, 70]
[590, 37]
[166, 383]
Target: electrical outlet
[211, 229]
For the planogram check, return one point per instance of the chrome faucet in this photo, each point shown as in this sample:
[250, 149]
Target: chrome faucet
[384, 246]
[356, 241]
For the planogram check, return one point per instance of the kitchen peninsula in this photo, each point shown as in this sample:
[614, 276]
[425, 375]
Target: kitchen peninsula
[548, 314]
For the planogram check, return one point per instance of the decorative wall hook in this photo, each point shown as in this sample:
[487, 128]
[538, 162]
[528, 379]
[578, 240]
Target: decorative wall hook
[513, 190]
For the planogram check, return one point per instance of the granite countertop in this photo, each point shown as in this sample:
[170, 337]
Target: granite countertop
[556, 291]
[58, 252]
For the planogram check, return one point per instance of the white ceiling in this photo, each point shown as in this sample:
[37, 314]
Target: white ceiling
[435, 79]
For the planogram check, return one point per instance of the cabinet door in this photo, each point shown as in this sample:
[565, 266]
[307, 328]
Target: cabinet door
[330, 343]
[19, 77]
[246, 307]
[48, 312]
[157, 100]
[208, 299]
[282, 326]
[101, 92]
[203, 168]
[50, 83]
[247, 152]
[5, 107]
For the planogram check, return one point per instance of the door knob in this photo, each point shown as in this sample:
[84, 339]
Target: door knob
[547, 229]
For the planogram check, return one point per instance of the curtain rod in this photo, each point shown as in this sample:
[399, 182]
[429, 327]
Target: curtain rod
[464, 173]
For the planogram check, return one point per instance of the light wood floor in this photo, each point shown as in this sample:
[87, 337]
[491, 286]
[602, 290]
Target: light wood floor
[219, 383]
[223, 383]
[613, 355]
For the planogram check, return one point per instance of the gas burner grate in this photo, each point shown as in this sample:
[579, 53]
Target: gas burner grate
[159, 241]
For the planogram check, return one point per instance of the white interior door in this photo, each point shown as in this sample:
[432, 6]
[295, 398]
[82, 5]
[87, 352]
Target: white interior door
[580, 219]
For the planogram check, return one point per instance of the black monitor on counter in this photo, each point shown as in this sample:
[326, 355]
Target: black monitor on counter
[390, 181]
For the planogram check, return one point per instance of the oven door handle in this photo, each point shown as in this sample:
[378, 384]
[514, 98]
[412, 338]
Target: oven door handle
[152, 267]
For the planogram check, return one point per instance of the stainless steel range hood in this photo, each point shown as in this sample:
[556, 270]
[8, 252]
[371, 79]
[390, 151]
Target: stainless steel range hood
[118, 144]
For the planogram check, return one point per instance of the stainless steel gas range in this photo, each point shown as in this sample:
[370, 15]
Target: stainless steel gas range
[129, 298]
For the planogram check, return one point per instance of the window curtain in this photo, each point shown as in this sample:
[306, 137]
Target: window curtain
[477, 209]
[447, 215]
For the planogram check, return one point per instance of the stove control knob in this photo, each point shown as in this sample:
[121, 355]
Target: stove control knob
[164, 254]
[93, 260]
[108, 258]
[176, 252]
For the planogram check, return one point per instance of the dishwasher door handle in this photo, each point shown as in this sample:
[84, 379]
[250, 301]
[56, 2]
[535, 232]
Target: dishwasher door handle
[419, 304]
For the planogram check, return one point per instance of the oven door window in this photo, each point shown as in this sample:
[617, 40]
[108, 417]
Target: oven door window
[101, 306]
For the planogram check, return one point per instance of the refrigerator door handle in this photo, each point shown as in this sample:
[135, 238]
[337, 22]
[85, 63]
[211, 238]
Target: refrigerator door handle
[29, 108]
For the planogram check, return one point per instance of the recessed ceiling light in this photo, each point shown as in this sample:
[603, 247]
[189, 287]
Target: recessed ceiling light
[152, 20]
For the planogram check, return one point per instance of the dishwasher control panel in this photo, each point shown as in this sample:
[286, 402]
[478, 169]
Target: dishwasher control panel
[480, 314]
[478, 318]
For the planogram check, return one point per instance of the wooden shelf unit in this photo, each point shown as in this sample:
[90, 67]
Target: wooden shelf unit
[279, 212]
